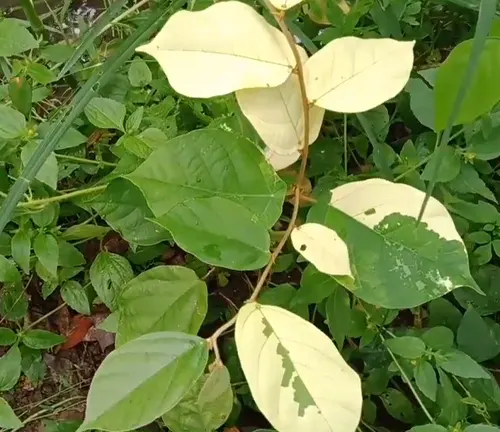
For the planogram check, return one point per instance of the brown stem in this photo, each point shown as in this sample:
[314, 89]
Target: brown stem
[299, 70]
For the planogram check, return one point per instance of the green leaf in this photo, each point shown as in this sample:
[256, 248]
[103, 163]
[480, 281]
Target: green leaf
[48, 173]
[14, 38]
[216, 184]
[47, 251]
[438, 338]
[133, 122]
[108, 274]
[10, 368]
[106, 113]
[426, 380]
[421, 101]
[164, 298]
[20, 93]
[72, 138]
[482, 428]
[76, 296]
[57, 53]
[7, 336]
[398, 264]
[139, 73]
[205, 407]
[482, 255]
[143, 144]
[428, 428]
[124, 208]
[284, 296]
[8, 418]
[69, 255]
[32, 364]
[40, 73]
[485, 148]
[409, 347]
[41, 339]
[84, 231]
[468, 181]
[21, 249]
[60, 425]
[338, 314]
[460, 364]
[219, 232]
[315, 286]
[158, 368]
[476, 338]
[483, 92]
[449, 165]
[13, 301]
[487, 278]
[450, 408]
[482, 212]
[12, 122]
[398, 406]
[8, 271]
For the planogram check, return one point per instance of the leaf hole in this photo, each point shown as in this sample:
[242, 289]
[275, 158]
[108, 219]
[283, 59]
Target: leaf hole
[370, 212]
[303, 247]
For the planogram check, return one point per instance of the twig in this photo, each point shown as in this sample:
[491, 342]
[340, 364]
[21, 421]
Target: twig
[299, 70]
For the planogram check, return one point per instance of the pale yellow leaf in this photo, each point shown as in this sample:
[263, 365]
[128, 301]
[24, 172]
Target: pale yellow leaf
[370, 201]
[277, 114]
[279, 162]
[284, 4]
[322, 247]
[225, 47]
[297, 377]
[352, 75]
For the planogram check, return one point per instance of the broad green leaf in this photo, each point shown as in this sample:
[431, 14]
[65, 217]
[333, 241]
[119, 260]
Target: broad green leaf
[13, 300]
[451, 408]
[482, 94]
[205, 407]
[33, 364]
[40, 73]
[15, 38]
[485, 148]
[41, 339]
[202, 67]
[57, 53]
[69, 255]
[47, 251]
[487, 278]
[480, 212]
[298, 379]
[12, 122]
[460, 364]
[315, 286]
[8, 418]
[476, 338]
[277, 114]
[482, 428]
[72, 138]
[426, 380]
[398, 406]
[421, 101]
[398, 264]
[8, 271]
[216, 195]
[76, 296]
[7, 336]
[284, 296]
[124, 208]
[164, 298]
[438, 338]
[139, 73]
[60, 425]
[84, 231]
[108, 274]
[158, 368]
[468, 181]
[448, 169]
[21, 94]
[338, 315]
[428, 428]
[106, 113]
[353, 75]
[10, 368]
[48, 173]
[134, 120]
[144, 143]
[219, 232]
[409, 347]
[21, 249]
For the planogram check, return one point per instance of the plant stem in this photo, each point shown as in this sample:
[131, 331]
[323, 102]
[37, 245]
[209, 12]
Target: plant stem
[45, 201]
[85, 161]
[299, 70]
[32, 15]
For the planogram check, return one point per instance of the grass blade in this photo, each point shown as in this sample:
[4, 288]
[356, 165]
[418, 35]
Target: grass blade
[93, 32]
[484, 22]
[81, 99]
